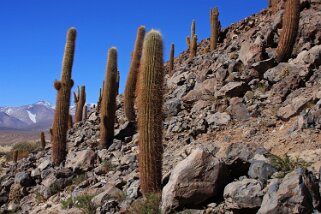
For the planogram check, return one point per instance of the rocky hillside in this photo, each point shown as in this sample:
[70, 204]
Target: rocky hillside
[229, 117]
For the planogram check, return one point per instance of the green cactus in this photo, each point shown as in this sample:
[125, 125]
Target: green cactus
[42, 140]
[108, 103]
[215, 28]
[63, 87]
[289, 32]
[150, 101]
[80, 100]
[130, 88]
[171, 59]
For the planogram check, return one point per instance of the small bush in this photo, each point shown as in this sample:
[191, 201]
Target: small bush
[40, 198]
[108, 166]
[287, 164]
[80, 178]
[84, 203]
[67, 204]
[25, 148]
[148, 205]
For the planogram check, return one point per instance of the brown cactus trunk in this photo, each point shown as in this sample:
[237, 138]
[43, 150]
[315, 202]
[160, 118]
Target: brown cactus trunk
[63, 87]
[80, 101]
[171, 59]
[214, 28]
[289, 32]
[150, 101]
[130, 88]
[42, 140]
[108, 103]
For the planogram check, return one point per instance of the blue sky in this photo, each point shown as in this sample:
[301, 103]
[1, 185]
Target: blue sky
[33, 36]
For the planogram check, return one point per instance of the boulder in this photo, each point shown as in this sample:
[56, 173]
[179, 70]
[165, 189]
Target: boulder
[232, 89]
[24, 179]
[297, 193]
[194, 180]
[109, 192]
[81, 161]
[218, 119]
[244, 194]
[261, 170]
[295, 102]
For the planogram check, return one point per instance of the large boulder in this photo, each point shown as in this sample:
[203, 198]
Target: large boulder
[194, 180]
[297, 193]
[244, 194]
[81, 161]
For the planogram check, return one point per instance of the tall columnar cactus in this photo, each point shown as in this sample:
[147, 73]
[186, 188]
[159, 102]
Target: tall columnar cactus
[269, 4]
[189, 39]
[15, 156]
[80, 100]
[130, 88]
[188, 42]
[85, 112]
[108, 103]
[63, 87]
[193, 28]
[150, 101]
[289, 32]
[171, 59]
[42, 140]
[193, 49]
[100, 97]
[215, 28]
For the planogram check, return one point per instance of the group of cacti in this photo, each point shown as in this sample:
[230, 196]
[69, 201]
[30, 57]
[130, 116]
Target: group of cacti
[145, 82]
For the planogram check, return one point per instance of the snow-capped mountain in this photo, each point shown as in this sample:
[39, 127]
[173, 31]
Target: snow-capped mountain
[29, 117]
[37, 116]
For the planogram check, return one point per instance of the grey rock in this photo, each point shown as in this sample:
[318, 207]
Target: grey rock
[80, 161]
[297, 193]
[197, 178]
[246, 193]
[218, 119]
[261, 170]
[24, 179]
[232, 89]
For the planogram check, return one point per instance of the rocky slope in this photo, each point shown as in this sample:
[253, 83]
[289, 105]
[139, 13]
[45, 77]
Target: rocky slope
[225, 112]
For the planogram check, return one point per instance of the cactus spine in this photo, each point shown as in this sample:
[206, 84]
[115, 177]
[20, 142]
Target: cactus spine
[215, 28]
[289, 32]
[108, 103]
[150, 101]
[171, 59]
[63, 87]
[42, 140]
[80, 100]
[129, 94]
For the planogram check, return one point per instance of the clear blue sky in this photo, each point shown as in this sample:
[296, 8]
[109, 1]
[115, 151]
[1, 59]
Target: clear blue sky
[33, 36]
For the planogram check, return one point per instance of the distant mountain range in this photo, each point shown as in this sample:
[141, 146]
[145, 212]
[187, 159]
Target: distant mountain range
[33, 117]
